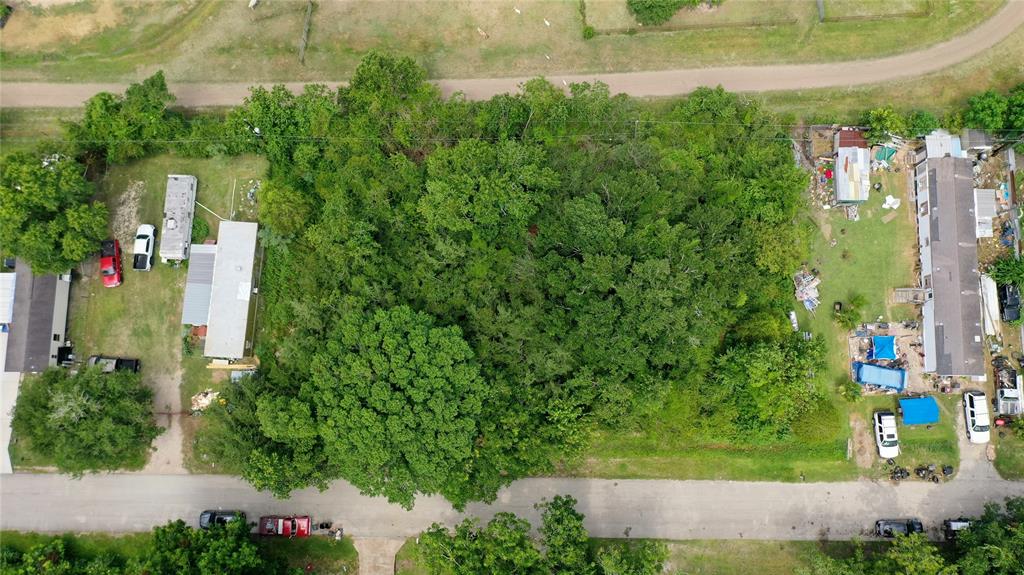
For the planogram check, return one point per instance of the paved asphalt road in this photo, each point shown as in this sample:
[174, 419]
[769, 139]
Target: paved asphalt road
[654, 83]
[637, 508]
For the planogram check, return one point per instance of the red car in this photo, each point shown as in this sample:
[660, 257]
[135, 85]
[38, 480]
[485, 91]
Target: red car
[284, 526]
[110, 262]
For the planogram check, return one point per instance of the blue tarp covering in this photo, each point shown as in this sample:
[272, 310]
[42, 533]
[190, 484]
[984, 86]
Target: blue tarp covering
[919, 411]
[867, 374]
[884, 347]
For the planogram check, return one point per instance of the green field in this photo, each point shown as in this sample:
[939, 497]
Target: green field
[225, 41]
[1009, 454]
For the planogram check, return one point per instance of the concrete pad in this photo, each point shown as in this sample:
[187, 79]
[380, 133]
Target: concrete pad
[377, 554]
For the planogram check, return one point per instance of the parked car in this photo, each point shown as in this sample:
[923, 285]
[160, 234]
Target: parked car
[110, 364]
[976, 416]
[145, 240]
[212, 517]
[885, 434]
[1009, 302]
[890, 528]
[951, 527]
[284, 525]
[110, 262]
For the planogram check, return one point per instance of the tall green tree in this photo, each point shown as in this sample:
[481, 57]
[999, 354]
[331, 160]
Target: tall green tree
[986, 110]
[883, 123]
[46, 217]
[90, 421]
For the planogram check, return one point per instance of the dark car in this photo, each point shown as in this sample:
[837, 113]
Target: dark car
[109, 364]
[1009, 302]
[890, 528]
[110, 262]
[212, 517]
[952, 527]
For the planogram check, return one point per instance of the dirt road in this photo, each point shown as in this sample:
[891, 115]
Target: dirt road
[653, 83]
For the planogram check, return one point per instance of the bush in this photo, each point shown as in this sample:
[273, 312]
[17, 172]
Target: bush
[655, 12]
[589, 32]
[200, 230]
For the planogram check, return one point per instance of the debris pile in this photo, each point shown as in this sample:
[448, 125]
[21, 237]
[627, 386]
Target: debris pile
[807, 289]
[203, 399]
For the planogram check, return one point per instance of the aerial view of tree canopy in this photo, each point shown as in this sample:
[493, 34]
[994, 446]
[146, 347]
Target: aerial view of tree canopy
[90, 421]
[46, 217]
[456, 293]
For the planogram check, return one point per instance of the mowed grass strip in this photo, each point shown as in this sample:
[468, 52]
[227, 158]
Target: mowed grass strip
[226, 41]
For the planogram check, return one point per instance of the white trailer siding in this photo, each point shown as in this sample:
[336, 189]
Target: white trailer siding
[179, 209]
[230, 296]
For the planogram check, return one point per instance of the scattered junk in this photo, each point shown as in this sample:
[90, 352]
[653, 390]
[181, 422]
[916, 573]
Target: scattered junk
[253, 4]
[806, 290]
[927, 472]
[878, 378]
[891, 203]
[204, 399]
[852, 213]
[793, 322]
[1009, 388]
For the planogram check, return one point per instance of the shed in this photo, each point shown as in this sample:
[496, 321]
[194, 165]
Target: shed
[984, 212]
[230, 292]
[179, 209]
[868, 374]
[883, 347]
[853, 166]
[919, 410]
[975, 141]
[199, 284]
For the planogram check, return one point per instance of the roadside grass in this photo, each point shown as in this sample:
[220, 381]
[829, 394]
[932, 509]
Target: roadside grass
[22, 129]
[919, 445]
[879, 8]
[316, 554]
[1000, 68]
[226, 41]
[23, 458]
[704, 556]
[327, 556]
[1009, 453]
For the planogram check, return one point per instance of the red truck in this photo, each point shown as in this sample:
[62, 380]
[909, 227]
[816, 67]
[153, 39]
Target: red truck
[110, 262]
[284, 526]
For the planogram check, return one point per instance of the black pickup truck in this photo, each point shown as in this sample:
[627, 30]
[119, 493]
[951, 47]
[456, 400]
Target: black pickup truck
[109, 364]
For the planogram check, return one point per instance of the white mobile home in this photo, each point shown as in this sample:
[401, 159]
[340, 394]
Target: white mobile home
[179, 209]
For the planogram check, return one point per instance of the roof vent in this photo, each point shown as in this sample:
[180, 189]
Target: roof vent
[172, 224]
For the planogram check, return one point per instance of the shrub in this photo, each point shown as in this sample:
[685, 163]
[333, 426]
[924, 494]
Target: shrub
[655, 12]
[200, 230]
[589, 32]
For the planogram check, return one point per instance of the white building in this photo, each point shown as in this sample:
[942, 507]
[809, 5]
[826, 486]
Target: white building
[179, 209]
[231, 292]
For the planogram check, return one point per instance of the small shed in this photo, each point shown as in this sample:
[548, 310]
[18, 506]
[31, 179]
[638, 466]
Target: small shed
[868, 374]
[919, 410]
[853, 167]
[179, 209]
[984, 212]
[883, 347]
[7, 281]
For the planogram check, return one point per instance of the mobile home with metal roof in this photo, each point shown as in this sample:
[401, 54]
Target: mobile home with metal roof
[179, 209]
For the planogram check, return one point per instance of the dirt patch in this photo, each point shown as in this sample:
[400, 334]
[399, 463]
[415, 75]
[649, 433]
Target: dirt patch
[125, 218]
[49, 23]
[863, 445]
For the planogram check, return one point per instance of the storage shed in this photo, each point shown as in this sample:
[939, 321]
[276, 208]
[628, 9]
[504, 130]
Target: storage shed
[179, 209]
[231, 291]
[984, 212]
[853, 167]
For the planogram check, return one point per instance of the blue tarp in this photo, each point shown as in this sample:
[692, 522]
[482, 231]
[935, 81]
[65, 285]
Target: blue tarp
[884, 347]
[919, 411]
[867, 374]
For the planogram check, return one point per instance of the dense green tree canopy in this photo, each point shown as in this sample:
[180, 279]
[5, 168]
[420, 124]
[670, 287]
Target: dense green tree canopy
[45, 214]
[583, 259]
[986, 110]
[90, 421]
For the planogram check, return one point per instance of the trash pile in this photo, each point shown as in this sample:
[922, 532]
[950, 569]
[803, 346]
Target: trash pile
[891, 203]
[806, 290]
[930, 472]
[203, 399]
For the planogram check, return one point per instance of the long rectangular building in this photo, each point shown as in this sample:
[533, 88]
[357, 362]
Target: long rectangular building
[952, 326]
[231, 290]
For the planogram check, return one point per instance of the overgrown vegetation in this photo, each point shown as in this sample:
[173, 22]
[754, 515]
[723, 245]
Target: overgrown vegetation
[504, 545]
[46, 217]
[654, 12]
[171, 549]
[570, 263]
[90, 421]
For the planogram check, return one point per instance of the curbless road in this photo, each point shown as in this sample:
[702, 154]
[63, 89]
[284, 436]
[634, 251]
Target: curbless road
[662, 509]
[642, 84]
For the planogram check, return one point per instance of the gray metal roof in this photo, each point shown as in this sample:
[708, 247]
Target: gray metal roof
[40, 307]
[976, 140]
[984, 211]
[199, 284]
[957, 330]
[232, 287]
[179, 208]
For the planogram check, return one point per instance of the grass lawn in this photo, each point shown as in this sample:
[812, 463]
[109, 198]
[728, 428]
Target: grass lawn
[918, 444]
[326, 556]
[21, 129]
[1009, 454]
[704, 557]
[225, 41]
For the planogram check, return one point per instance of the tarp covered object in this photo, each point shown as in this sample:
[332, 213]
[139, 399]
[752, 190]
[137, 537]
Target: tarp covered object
[919, 411]
[867, 374]
[884, 346]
